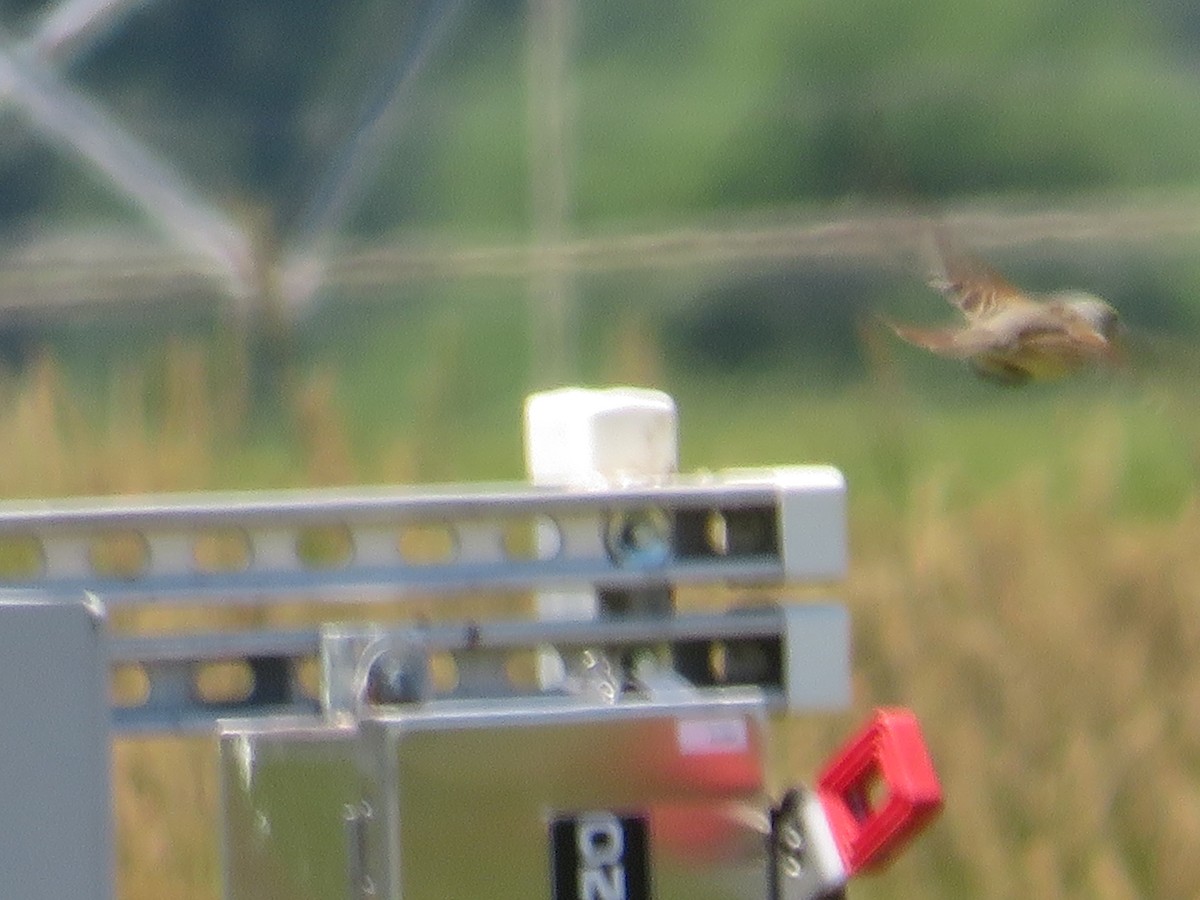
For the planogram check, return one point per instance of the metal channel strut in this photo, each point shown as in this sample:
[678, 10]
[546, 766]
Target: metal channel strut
[797, 654]
[751, 527]
[768, 526]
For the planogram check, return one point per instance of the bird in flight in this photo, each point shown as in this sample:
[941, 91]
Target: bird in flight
[1009, 336]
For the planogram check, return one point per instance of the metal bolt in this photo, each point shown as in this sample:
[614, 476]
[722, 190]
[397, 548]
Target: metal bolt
[639, 538]
[397, 676]
[792, 838]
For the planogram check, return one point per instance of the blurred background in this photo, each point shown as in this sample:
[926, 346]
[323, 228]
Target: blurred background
[300, 242]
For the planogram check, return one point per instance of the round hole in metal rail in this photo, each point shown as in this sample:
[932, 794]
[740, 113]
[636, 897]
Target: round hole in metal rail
[129, 685]
[21, 557]
[121, 554]
[224, 682]
[325, 546]
[308, 677]
[443, 672]
[535, 538]
[521, 668]
[427, 544]
[638, 538]
[716, 532]
[718, 662]
[222, 550]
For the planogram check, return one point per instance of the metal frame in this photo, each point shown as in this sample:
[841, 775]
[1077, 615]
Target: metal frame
[754, 529]
[797, 656]
[765, 527]
[751, 528]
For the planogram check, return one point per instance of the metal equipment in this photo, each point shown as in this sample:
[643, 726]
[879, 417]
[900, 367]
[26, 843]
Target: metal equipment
[614, 751]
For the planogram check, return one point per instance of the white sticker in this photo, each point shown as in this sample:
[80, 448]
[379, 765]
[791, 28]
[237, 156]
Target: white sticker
[713, 734]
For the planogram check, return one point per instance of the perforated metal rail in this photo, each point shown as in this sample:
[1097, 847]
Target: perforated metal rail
[795, 654]
[770, 527]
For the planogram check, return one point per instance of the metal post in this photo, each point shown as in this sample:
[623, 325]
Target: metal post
[54, 744]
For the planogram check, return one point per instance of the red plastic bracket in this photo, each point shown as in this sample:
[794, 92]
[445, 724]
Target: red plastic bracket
[879, 790]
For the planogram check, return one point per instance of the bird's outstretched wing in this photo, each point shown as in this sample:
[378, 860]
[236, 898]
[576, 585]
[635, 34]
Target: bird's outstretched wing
[968, 283]
[1013, 325]
[972, 345]
[942, 341]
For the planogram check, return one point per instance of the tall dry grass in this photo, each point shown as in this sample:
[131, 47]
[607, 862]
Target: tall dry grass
[177, 425]
[1051, 647]
[1054, 657]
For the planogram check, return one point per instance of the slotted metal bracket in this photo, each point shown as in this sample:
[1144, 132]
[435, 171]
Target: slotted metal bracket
[760, 647]
[770, 526]
[764, 527]
[798, 655]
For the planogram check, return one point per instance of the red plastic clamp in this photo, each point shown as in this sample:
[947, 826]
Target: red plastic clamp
[879, 790]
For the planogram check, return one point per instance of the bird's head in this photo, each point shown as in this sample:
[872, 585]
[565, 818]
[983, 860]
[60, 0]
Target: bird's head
[1098, 315]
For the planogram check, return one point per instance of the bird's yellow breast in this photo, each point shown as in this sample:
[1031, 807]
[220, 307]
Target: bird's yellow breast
[1040, 360]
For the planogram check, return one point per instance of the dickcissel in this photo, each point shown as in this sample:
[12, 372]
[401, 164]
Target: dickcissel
[1010, 336]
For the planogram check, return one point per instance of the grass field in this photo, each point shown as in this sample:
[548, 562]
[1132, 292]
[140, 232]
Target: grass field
[1025, 575]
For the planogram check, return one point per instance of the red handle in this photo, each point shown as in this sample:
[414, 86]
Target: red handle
[879, 790]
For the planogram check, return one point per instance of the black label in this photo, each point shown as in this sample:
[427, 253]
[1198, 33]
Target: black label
[600, 856]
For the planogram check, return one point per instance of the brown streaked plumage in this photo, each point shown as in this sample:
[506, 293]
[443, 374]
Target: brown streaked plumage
[1010, 336]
